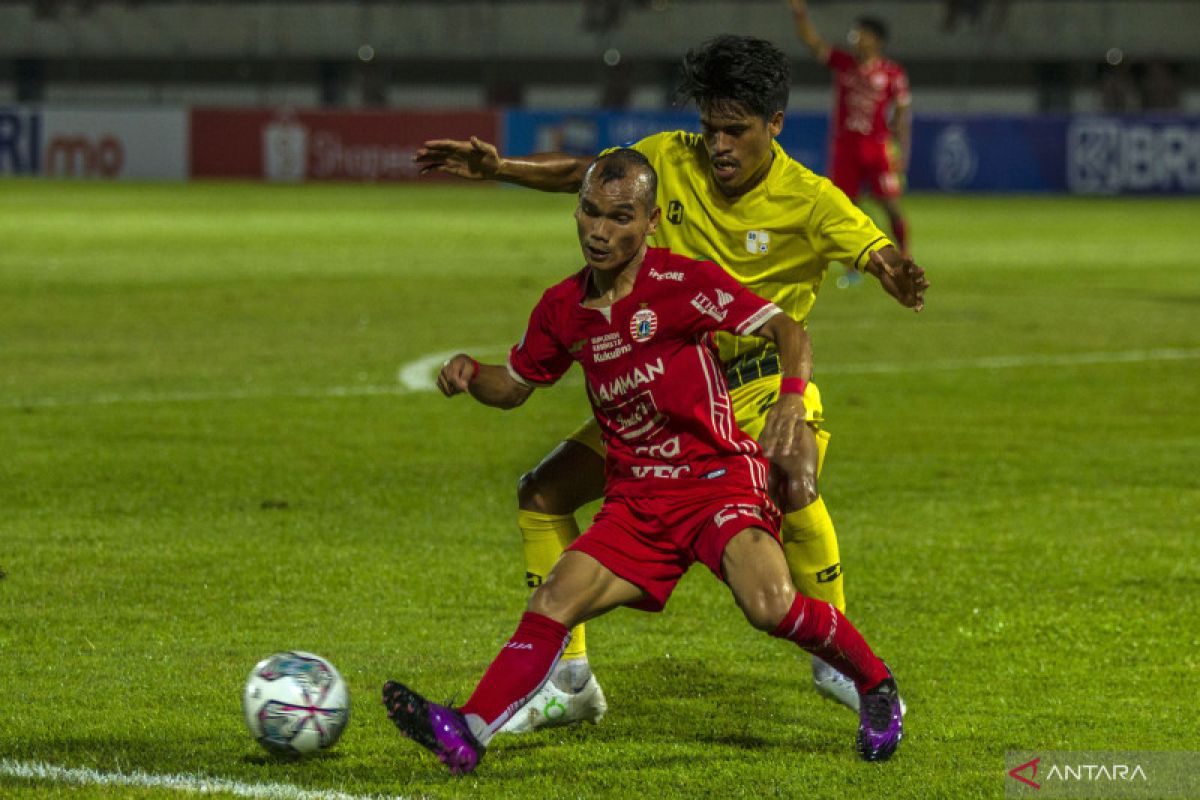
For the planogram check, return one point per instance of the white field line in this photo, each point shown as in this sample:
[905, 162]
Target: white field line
[418, 376]
[1016, 362]
[184, 782]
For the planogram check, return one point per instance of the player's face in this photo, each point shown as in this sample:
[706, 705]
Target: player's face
[739, 145]
[865, 44]
[613, 221]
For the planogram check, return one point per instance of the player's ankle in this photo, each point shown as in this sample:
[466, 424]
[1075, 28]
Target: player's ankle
[571, 675]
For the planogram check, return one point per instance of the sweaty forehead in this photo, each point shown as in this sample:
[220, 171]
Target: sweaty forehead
[616, 191]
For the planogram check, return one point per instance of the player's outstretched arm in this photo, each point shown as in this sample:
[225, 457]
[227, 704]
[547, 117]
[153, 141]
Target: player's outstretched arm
[782, 430]
[480, 161]
[899, 276]
[490, 384]
[807, 33]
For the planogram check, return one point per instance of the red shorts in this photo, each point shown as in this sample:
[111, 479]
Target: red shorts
[856, 160]
[651, 541]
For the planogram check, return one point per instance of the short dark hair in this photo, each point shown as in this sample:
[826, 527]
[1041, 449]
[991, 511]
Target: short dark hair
[874, 25]
[737, 69]
[616, 164]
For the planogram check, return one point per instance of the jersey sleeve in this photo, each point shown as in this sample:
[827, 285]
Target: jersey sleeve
[900, 91]
[840, 60]
[539, 359]
[720, 303]
[840, 231]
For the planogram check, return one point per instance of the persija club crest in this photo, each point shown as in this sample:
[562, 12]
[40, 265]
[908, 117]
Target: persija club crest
[643, 324]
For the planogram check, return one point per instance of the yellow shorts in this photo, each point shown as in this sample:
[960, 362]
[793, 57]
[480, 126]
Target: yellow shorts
[751, 402]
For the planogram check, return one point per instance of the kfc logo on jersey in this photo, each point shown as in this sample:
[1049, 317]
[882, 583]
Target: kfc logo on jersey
[643, 324]
[757, 242]
[704, 304]
[660, 471]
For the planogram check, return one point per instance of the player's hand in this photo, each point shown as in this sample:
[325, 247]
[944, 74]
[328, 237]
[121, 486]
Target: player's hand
[781, 432]
[456, 374]
[475, 160]
[902, 279]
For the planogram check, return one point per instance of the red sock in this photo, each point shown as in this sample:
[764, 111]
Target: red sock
[519, 671]
[826, 633]
[900, 231]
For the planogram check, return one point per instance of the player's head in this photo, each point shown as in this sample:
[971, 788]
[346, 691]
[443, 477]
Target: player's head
[740, 84]
[618, 208]
[869, 36]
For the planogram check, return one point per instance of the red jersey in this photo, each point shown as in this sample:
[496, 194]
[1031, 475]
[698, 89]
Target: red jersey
[656, 386]
[863, 93]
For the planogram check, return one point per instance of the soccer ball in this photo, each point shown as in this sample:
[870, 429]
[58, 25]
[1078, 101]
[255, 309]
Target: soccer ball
[295, 703]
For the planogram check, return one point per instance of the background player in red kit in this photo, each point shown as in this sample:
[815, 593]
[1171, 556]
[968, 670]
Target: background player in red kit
[683, 482]
[867, 86]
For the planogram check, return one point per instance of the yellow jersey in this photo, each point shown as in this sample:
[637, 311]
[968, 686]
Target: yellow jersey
[777, 240]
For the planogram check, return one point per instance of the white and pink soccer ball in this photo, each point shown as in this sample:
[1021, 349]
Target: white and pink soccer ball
[295, 703]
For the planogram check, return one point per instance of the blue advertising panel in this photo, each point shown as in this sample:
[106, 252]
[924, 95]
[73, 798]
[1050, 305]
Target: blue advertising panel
[960, 153]
[589, 132]
[1149, 154]
[1140, 154]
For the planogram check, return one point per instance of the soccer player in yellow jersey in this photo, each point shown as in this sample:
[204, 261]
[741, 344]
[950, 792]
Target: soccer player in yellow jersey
[732, 195]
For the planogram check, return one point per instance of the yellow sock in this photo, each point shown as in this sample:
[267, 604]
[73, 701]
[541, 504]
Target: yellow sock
[545, 536]
[811, 548]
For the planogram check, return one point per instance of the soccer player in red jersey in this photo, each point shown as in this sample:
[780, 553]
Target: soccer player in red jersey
[867, 86]
[683, 482]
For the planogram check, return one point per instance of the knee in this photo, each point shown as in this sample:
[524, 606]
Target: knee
[801, 491]
[531, 496]
[768, 605]
[549, 602]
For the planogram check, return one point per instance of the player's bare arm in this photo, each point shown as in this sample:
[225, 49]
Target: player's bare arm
[480, 161]
[899, 276]
[807, 33]
[786, 420]
[902, 128]
[490, 384]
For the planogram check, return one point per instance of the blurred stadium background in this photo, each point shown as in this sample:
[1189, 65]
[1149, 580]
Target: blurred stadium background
[1011, 95]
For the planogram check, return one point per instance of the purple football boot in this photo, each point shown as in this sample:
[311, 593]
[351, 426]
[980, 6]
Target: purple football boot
[440, 730]
[880, 721]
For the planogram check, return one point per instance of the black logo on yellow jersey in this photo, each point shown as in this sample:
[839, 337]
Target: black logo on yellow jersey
[675, 212]
[828, 574]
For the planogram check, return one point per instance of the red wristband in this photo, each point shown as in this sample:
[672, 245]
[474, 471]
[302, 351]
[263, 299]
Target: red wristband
[474, 370]
[792, 386]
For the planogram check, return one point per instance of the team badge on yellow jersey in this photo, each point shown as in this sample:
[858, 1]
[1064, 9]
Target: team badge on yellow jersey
[757, 242]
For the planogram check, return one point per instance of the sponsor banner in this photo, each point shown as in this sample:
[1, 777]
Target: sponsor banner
[136, 144]
[587, 133]
[1102, 774]
[951, 152]
[986, 153]
[288, 145]
[1133, 155]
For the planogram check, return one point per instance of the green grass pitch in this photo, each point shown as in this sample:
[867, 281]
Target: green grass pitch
[205, 457]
